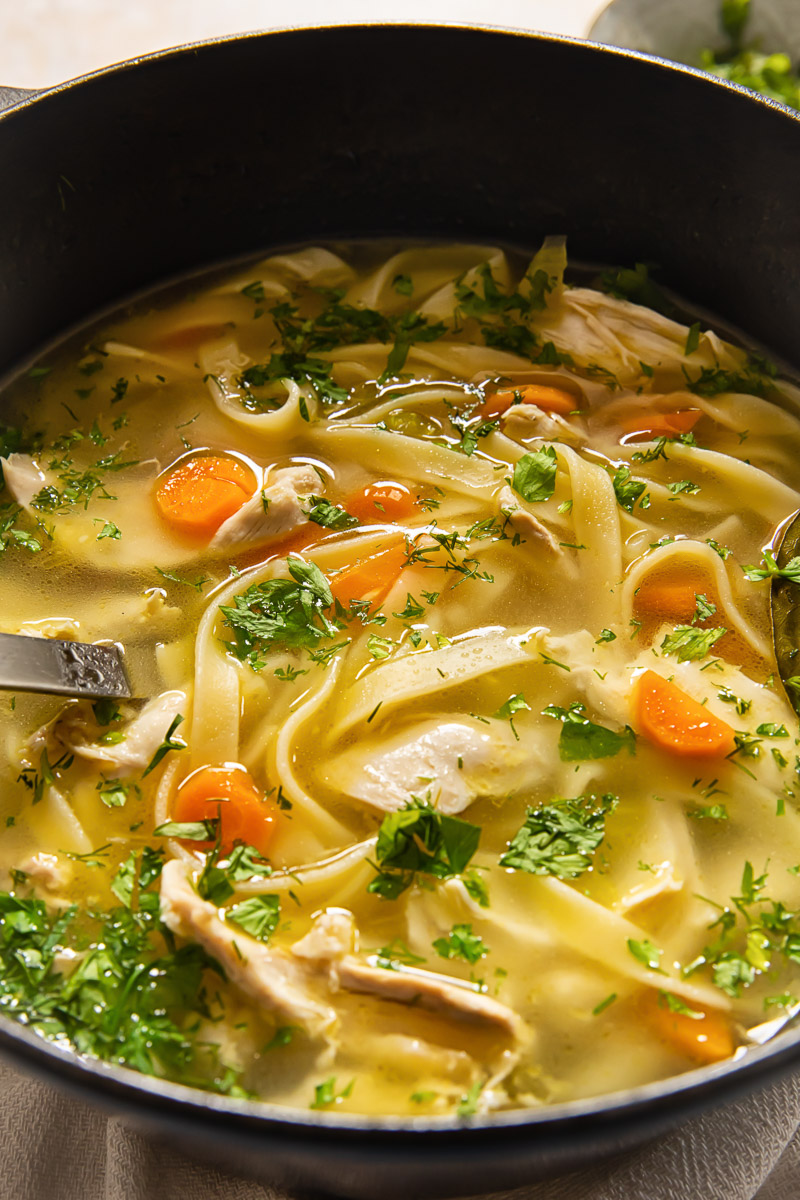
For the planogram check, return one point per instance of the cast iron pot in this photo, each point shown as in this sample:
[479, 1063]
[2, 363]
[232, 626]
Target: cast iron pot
[154, 168]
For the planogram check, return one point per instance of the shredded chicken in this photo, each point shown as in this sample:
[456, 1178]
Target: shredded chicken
[523, 520]
[272, 511]
[329, 944]
[63, 628]
[46, 869]
[454, 761]
[528, 420]
[71, 730]
[288, 981]
[273, 977]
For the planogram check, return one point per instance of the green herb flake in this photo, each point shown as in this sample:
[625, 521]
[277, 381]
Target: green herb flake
[689, 643]
[582, 740]
[258, 915]
[461, 943]
[330, 516]
[325, 1093]
[535, 475]
[419, 840]
[560, 838]
[646, 953]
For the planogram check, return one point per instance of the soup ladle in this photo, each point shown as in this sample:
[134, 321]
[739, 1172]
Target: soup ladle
[61, 668]
[785, 610]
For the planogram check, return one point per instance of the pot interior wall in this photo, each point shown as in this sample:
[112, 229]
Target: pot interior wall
[155, 169]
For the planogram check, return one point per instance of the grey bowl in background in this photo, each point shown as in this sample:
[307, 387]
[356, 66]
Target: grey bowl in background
[680, 29]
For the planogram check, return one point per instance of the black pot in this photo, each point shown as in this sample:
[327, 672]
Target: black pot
[154, 168]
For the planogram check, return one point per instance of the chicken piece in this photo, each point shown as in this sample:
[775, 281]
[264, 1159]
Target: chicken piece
[47, 870]
[271, 976]
[437, 993]
[455, 761]
[272, 511]
[23, 477]
[283, 981]
[329, 944]
[63, 628]
[524, 521]
[142, 738]
[528, 420]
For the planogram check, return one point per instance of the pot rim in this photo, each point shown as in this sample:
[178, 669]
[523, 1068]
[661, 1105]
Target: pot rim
[33, 96]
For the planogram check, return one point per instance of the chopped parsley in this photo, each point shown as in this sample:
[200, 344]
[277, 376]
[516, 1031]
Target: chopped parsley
[646, 953]
[628, 490]
[689, 643]
[169, 743]
[771, 570]
[461, 943]
[331, 516]
[281, 614]
[513, 704]
[535, 475]
[420, 840]
[581, 739]
[560, 838]
[131, 998]
[258, 915]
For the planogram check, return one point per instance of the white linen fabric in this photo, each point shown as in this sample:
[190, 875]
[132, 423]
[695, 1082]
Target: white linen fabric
[52, 1147]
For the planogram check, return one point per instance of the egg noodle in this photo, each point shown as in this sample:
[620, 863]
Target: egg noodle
[461, 776]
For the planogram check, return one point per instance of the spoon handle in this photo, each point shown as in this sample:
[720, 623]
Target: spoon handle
[32, 664]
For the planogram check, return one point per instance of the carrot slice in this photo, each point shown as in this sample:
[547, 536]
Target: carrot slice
[371, 578]
[382, 501]
[705, 1036]
[676, 722]
[228, 792]
[199, 495]
[670, 601]
[663, 424]
[549, 399]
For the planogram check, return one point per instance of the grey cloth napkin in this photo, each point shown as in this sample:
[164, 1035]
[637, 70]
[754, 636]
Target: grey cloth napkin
[54, 1148]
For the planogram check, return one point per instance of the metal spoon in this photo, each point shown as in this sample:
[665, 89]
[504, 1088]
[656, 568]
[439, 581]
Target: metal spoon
[785, 614]
[32, 664]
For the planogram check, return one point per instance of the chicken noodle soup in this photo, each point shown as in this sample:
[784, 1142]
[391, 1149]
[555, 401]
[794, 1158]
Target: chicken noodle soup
[462, 778]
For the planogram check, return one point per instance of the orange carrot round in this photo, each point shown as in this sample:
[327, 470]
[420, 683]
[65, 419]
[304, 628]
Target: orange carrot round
[662, 424]
[371, 578]
[381, 501]
[669, 601]
[676, 722]
[230, 793]
[549, 399]
[196, 497]
[703, 1034]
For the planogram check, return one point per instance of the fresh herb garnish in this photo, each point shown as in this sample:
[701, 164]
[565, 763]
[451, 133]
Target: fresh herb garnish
[535, 475]
[331, 516]
[461, 943]
[689, 643]
[281, 614]
[581, 739]
[258, 915]
[560, 838]
[420, 840]
[771, 570]
[169, 743]
[628, 490]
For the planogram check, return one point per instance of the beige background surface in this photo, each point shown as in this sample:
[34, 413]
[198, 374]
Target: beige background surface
[45, 41]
